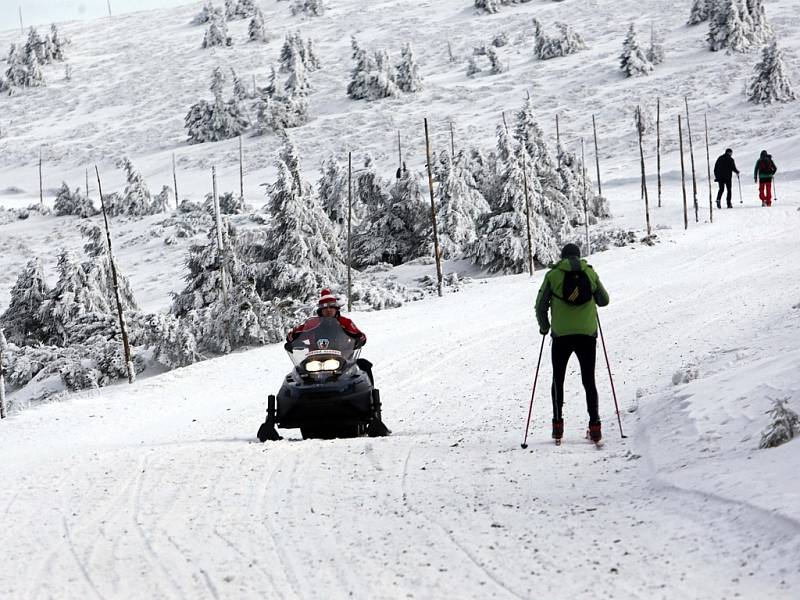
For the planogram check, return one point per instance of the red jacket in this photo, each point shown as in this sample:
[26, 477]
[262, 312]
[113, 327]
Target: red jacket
[348, 326]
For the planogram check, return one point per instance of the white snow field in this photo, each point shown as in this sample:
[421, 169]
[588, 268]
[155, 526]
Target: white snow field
[161, 490]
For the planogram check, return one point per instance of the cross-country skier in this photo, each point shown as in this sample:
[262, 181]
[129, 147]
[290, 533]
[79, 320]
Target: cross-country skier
[572, 291]
[724, 169]
[328, 306]
[762, 174]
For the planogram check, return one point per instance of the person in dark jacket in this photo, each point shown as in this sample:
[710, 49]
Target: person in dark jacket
[763, 173]
[574, 329]
[724, 169]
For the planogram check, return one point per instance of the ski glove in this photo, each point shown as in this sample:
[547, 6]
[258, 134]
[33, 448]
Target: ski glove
[544, 332]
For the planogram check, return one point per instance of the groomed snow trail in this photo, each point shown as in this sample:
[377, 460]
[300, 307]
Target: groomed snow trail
[160, 490]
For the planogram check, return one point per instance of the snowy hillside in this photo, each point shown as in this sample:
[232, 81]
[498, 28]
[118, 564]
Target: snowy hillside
[161, 490]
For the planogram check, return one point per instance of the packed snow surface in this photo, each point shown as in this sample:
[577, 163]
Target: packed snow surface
[160, 489]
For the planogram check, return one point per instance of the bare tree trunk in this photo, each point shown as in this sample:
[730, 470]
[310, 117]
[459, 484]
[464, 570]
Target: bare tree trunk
[109, 7]
[241, 170]
[527, 211]
[123, 328]
[708, 164]
[596, 159]
[41, 189]
[452, 142]
[558, 143]
[644, 177]
[683, 176]
[658, 147]
[87, 184]
[585, 206]
[2, 376]
[350, 221]
[399, 154]
[175, 182]
[691, 156]
[21, 26]
[433, 211]
[220, 238]
[504, 121]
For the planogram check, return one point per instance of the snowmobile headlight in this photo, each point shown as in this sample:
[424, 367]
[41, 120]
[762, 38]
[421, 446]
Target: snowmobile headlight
[315, 366]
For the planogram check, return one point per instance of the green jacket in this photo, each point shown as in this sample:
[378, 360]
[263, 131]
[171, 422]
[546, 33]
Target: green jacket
[766, 174]
[569, 319]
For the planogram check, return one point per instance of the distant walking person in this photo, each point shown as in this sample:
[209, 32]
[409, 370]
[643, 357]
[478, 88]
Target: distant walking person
[724, 169]
[572, 291]
[763, 173]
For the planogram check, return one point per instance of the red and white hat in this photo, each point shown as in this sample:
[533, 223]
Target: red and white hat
[327, 300]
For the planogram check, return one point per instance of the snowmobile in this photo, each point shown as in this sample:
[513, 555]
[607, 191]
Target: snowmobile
[329, 393]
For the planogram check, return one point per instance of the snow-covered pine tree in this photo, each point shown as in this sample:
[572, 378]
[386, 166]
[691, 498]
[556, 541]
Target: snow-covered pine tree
[633, 60]
[655, 53]
[381, 81]
[472, 67]
[502, 243]
[35, 45]
[332, 188]
[564, 43]
[358, 88]
[220, 120]
[737, 25]
[16, 74]
[256, 31]
[72, 203]
[701, 11]
[225, 315]
[297, 255]
[770, 82]
[34, 77]
[784, 424]
[56, 44]
[230, 10]
[459, 206]
[207, 13]
[21, 320]
[487, 6]
[313, 8]
[245, 9]
[408, 77]
[297, 83]
[397, 231]
[528, 133]
[135, 200]
[216, 33]
[494, 61]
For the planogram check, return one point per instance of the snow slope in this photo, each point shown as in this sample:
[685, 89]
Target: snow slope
[160, 490]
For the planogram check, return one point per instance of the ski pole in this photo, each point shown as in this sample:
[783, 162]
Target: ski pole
[530, 408]
[774, 191]
[739, 179]
[610, 378]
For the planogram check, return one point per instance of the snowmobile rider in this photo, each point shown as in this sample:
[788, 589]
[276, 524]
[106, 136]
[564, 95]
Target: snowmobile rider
[724, 169]
[328, 306]
[572, 291]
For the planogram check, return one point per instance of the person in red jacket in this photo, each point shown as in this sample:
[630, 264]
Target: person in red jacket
[328, 306]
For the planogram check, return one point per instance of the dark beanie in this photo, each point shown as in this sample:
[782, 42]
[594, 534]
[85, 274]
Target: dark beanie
[570, 250]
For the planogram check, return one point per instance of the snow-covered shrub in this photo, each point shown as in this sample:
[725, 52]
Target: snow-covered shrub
[135, 200]
[245, 9]
[371, 77]
[217, 120]
[784, 424]
[459, 206]
[229, 204]
[207, 13]
[655, 53]
[72, 203]
[770, 82]
[332, 190]
[564, 43]
[472, 67]
[313, 8]
[633, 61]
[494, 61]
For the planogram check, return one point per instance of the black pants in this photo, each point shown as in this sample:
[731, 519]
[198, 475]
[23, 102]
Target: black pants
[585, 348]
[722, 185]
[366, 366]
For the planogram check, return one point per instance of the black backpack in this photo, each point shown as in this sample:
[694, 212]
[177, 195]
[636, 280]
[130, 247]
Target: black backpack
[577, 288]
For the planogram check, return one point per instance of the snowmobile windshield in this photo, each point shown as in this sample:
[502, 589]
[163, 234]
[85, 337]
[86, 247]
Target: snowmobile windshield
[323, 347]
